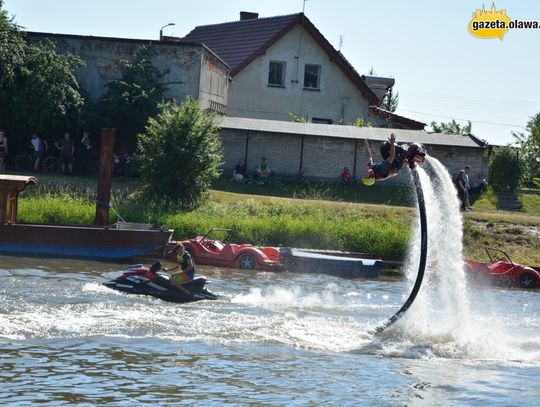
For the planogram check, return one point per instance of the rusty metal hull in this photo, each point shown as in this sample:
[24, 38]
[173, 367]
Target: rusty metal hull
[81, 241]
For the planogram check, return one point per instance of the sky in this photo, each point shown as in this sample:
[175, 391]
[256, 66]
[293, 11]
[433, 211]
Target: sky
[442, 72]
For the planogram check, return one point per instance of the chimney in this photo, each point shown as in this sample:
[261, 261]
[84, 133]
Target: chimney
[247, 15]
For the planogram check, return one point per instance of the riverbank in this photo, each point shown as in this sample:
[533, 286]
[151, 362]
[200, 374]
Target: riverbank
[327, 222]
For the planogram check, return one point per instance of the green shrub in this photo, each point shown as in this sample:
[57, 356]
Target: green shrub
[505, 169]
[180, 154]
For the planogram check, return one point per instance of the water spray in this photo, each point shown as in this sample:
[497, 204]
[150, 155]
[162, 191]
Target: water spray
[423, 254]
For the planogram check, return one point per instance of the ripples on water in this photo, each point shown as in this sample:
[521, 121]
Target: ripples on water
[273, 339]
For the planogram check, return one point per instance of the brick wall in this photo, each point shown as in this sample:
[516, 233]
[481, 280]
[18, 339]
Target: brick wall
[455, 158]
[325, 157]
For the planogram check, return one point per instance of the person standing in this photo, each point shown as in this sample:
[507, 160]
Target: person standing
[3, 151]
[463, 192]
[39, 148]
[467, 169]
[86, 146]
[66, 147]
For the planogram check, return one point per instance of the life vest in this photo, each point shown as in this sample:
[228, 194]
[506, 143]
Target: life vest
[181, 277]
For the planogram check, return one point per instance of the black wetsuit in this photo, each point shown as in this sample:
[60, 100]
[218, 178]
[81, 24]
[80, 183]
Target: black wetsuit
[382, 169]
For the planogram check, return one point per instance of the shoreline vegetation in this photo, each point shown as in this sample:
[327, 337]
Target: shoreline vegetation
[317, 217]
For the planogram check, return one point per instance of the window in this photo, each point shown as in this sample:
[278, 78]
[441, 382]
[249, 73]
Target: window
[312, 75]
[319, 120]
[276, 74]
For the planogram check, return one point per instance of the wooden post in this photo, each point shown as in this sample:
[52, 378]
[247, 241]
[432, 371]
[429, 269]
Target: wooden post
[105, 176]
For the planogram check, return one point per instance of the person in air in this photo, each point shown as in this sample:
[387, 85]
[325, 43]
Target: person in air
[394, 157]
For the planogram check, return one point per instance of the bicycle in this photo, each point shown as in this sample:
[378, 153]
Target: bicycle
[271, 181]
[25, 163]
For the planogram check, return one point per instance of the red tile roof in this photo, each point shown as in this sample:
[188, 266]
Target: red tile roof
[238, 43]
[406, 122]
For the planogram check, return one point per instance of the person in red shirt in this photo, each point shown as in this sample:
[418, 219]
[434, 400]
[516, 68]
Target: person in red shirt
[345, 178]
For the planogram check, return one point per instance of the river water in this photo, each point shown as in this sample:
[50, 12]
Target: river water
[272, 339]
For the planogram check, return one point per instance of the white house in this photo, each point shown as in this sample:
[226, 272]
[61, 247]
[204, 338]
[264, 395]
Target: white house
[283, 66]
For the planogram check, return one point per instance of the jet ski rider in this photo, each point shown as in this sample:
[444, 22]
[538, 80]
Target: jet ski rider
[186, 265]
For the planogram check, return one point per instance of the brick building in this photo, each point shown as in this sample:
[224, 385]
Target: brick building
[191, 69]
[321, 151]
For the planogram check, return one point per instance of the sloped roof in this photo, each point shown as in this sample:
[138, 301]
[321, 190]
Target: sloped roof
[405, 121]
[350, 132]
[240, 42]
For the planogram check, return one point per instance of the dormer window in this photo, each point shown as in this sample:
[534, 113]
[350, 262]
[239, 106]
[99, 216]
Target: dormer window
[276, 74]
[312, 77]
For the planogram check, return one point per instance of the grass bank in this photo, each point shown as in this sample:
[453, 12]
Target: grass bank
[256, 219]
[329, 221]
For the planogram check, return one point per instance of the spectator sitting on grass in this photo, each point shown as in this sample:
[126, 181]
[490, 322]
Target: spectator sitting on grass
[264, 170]
[239, 172]
[345, 178]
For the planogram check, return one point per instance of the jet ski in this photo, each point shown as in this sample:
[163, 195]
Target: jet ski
[139, 279]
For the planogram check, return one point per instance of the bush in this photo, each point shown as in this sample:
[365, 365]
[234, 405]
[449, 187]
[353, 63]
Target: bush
[179, 154]
[505, 169]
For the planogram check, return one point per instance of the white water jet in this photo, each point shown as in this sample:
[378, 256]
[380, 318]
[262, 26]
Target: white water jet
[441, 307]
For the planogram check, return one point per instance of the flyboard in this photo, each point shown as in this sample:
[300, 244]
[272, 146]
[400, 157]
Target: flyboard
[423, 254]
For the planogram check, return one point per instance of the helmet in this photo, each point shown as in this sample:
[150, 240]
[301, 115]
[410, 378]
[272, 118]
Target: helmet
[416, 152]
[368, 181]
[156, 267]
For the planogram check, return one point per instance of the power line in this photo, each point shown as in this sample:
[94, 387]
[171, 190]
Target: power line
[465, 120]
[430, 95]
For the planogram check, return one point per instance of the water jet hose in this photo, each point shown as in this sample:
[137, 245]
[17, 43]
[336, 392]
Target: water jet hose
[423, 254]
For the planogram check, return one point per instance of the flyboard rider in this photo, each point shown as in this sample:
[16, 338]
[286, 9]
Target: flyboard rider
[394, 156]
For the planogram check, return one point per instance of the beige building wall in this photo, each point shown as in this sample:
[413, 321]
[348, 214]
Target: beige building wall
[214, 83]
[338, 98]
[189, 69]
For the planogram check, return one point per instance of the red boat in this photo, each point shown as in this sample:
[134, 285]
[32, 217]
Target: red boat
[502, 271]
[205, 250]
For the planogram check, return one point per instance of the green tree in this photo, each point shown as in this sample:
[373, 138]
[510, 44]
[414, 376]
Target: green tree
[529, 144]
[130, 101]
[47, 97]
[12, 47]
[452, 127]
[505, 168]
[179, 153]
[390, 100]
[38, 89]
